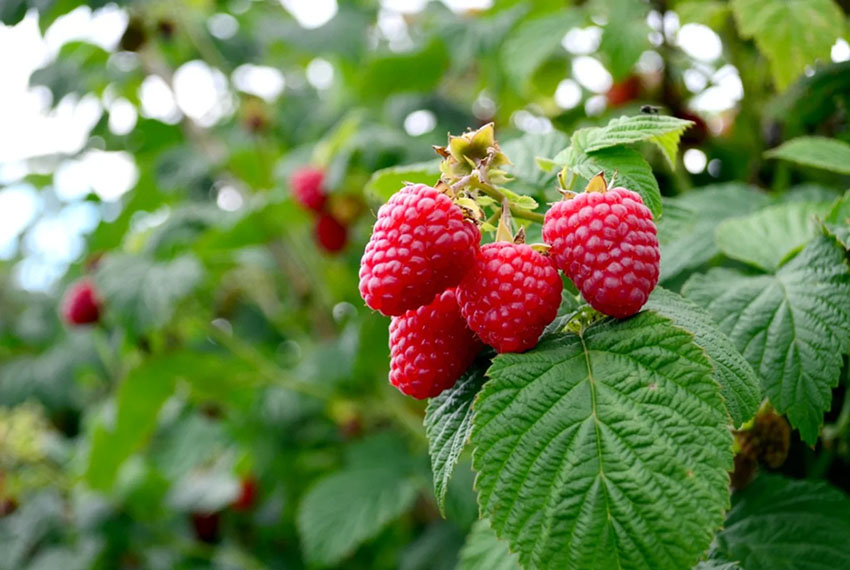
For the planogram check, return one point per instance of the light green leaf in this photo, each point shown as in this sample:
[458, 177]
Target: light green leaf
[142, 293]
[349, 507]
[738, 382]
[608, 450]
[386, 182]
[534, 40]
[139, 399]
[414, 71]
[766, 238]
[793, 327]
[686, 231]
[448, 422]
[782, 523]
[711, 13]
[661, 130]
[625, 36]
[820, 152]
[524, 152]
[792, 34]
[484, 551]
[838, 220]
[633, 172]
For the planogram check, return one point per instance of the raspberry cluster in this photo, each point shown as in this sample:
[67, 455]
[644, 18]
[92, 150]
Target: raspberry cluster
[308, 190]
[448, 296]
[424, 267]
[81, 304]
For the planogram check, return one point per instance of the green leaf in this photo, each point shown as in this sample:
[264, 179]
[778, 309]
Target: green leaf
[534, 40]
[386, 182]
[717, 565]
[820, 152]
[838, 220]
[139, 399]
[711, 13]
[782, 523]
[632, 171]
[608, 450]
[686, 231]
[524, 152]
[448, 422]
[738, 382]
[484, 551]
[349, 507]
[661, 130]
[625, 36]
[141, 293]
[792, 34]
[415, 71]
[766, 238]
[793, 327]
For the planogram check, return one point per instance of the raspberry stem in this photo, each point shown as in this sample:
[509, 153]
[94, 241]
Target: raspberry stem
[496, 194]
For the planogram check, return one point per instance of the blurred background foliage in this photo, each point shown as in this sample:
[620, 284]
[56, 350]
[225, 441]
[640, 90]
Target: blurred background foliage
[148, 144]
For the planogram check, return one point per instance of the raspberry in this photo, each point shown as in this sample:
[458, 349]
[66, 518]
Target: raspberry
[81, 305]
[606, 243]
[420, 246]
[330, 233]
[307, 188]
[509, 295]
[431, 347]
[247, 495]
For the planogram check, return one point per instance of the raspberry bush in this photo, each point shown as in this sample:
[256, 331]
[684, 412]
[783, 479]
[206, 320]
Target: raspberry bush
[406, 285]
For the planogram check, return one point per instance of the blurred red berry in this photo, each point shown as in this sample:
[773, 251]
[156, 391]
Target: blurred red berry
[207, 526]
[81, 304]
[330, 233]
[624, 91]
[308, 189]
[247, 495]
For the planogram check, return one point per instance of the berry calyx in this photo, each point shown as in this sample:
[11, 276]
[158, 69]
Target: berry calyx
[81, 304]
[509, 295]
[308, 188]
[606, 242]
[421, 245]
[331, 235]
[431, 347]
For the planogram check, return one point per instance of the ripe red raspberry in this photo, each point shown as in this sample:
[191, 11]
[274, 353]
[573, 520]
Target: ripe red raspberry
[81, 304]
[307, 188]
[247, 495]
[330, 233]
[431, 347]
[509, 295]
[421, 245]
[606, 243]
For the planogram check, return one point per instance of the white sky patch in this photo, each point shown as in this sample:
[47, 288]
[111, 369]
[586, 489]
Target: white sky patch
[568, 94]
[840, 51]
[52, 240]
[404, 6]
[229, 198]
[695, 160]
[311, 14]
[465, 5]
[260, 80]
[724, 94]
[320, 73]
[695, 80]
[595, 105]
[19, 206]
[420, 122]
[34, 274]
[650, 62]
[122, 116]
[201, 92]
[530, 123]
[223, 26]
[591, 74]
[700, 42]
[110, 174]
[102, 28]
[582, 41]
[158, 100]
